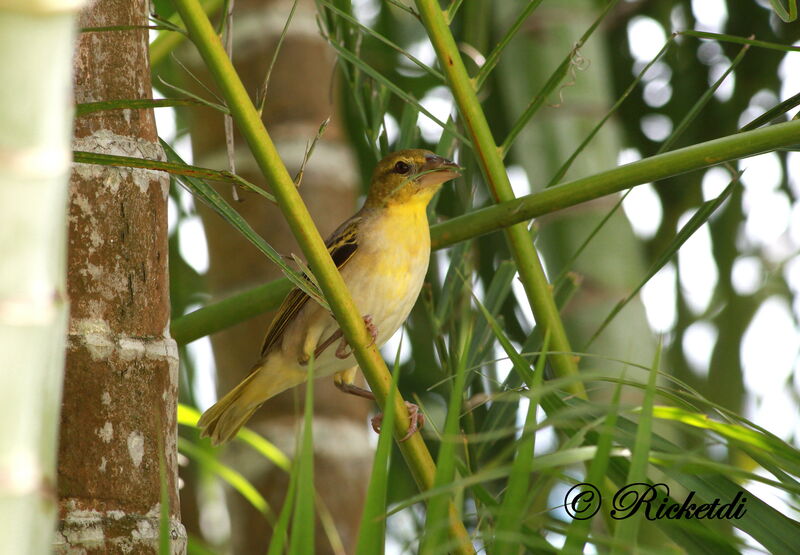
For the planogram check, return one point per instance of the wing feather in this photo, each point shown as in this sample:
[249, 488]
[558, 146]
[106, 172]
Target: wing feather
[342, 245]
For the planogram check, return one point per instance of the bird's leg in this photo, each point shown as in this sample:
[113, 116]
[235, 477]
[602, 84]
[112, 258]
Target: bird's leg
[344, 381]
[324, 345]
[313, 335]
[342, 352]
[417, 421]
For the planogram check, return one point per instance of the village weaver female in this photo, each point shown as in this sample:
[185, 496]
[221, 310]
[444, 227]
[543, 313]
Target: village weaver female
[382, 253]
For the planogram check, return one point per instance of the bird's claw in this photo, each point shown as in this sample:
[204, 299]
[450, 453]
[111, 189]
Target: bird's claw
[417, 421]
[342, 350]
[371, 328]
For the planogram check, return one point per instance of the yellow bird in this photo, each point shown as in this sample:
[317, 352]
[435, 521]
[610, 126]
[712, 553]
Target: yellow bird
[382, 253]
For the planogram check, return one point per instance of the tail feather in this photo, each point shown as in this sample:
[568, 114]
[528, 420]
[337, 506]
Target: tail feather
[223, 421]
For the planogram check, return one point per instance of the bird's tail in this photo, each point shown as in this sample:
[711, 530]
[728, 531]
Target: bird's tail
[222, 421]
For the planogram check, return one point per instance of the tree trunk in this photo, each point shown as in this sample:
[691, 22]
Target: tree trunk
[118, 425]
[299, 99]
[36, 113]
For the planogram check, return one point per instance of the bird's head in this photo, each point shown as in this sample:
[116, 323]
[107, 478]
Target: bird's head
[409, 176]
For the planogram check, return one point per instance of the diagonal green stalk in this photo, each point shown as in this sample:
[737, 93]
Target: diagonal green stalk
[261, 95]
[266, 156]
[687, 120]
[494, 55]
[701, 103]
[557, 76]
[249, 303]
[787, 14]
[701, 217]
[371, 32]
[165, 43]
[383, 80]
[232, 477]
[773, 113]
[562, 171]
[529, 266]
[452, 10]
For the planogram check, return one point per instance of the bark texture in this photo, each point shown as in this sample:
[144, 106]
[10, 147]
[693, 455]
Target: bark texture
[300, 96]
[118, 417]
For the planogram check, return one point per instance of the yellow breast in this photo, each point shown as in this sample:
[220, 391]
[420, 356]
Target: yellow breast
[387, 272]
[404, 241]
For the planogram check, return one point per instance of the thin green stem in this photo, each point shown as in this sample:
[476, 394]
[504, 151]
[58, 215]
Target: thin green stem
[666, 145]
[165, 43]
[261, 95]
[701, 103]
[529, 266]
[452, 10]
[494, 55]
[568, 163]
[740, 40]
[787, 14]
[404, 95]
[173, 168]
[141, 103]
[353, 21]
[700, 217]
[773, 113]
[399, 5]
[557, 76]
[302, 226]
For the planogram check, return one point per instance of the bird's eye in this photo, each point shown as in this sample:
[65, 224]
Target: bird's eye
[402, 168]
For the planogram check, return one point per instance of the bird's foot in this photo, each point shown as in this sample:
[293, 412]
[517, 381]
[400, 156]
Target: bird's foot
[415, 416]
[342, 350]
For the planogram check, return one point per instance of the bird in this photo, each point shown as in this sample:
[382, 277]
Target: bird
[382, 253]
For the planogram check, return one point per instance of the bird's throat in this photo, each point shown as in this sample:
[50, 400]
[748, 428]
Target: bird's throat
[401, 233]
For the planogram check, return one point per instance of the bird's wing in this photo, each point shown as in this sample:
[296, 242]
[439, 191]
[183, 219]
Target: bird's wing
[342, 245]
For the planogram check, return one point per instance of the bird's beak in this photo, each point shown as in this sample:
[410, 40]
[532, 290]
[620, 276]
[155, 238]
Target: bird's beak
[437, 170]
